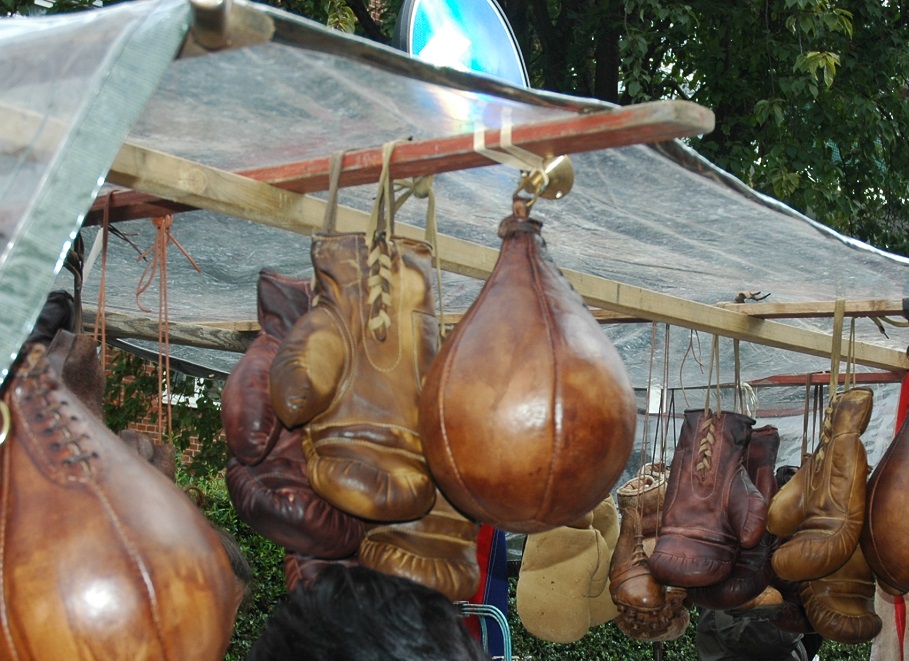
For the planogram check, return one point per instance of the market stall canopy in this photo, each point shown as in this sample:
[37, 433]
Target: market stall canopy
[135, 111]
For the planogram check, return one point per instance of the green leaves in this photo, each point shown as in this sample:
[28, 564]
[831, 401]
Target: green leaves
[818, 64]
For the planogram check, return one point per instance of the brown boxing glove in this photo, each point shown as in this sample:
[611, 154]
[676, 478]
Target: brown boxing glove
[647, 610]
[712, 507]
[752, 571]
[266, 473]
[250, 423]
[841, 606]
[822, 508]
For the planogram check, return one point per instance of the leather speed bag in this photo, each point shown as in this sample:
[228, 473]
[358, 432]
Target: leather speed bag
[886, 528]
[527, 414]
[101, 556]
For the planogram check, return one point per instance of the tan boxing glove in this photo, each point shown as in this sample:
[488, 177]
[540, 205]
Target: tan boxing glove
[822, 508]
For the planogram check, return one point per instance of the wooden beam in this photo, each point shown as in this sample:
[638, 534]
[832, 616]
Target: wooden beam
[124, 326]
[656, 121]
[192, 184]
[819, 309]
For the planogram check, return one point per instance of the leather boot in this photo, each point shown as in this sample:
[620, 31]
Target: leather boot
[822, 508]
[712, 507]
[648, 610]
[646, 493]
[527, 413]
[438, 550]
[103, 557]
[841, 606]
[752, 571]
[351, 368]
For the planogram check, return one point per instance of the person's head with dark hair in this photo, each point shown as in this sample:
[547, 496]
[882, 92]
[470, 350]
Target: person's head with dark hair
[357, 614]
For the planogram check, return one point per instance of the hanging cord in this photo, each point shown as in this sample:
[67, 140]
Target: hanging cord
[381, 226]
[806, 417]
[746, 401]
[158, 266]
[422, 188]
[645, 432]
[849, 379]
[512, 155]
[839, 311]
[667, 405]
[696, 353]
[714, 363]
[100, 333]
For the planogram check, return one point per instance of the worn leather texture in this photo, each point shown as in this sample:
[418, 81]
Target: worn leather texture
[250, 422]
[266, 473]
[822, 508]
[646, 492]
[350, 372]
[275, 498]
[713, 509]
[647, 610]
[439, 551]
[752, 571]
[102, 557]
[886, 530]
[840, 606]
[527, 413]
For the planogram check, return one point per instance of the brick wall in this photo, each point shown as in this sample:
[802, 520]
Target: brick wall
[147, 425]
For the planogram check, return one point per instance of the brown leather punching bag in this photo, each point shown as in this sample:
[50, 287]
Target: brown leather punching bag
[886, 528]
[101, 556]
[527, 414]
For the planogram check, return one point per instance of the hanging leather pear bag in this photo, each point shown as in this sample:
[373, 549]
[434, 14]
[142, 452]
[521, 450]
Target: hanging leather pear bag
[102, 557]
[527, 414]
[886, 528]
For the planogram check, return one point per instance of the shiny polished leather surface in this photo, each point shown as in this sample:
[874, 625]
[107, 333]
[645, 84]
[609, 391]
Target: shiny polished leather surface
[822, 508]
[266, 474]
[752, 571]
[438, 550]
[841, 606]
[713, 509]
[527, 413]
[356, 390]
[886, 531]
[102, 557]
[647, 610]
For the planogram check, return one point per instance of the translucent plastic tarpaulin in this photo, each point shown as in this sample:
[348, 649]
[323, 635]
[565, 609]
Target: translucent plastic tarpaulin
[656, 217]
[70, 89]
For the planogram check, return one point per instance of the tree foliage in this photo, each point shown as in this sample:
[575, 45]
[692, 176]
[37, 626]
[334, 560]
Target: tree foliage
[810, 96]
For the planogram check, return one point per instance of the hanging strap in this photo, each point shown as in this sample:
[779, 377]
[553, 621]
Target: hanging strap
[422, 187]
[806, 417]
[330, 218]
[839, 311]
[714, 363]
